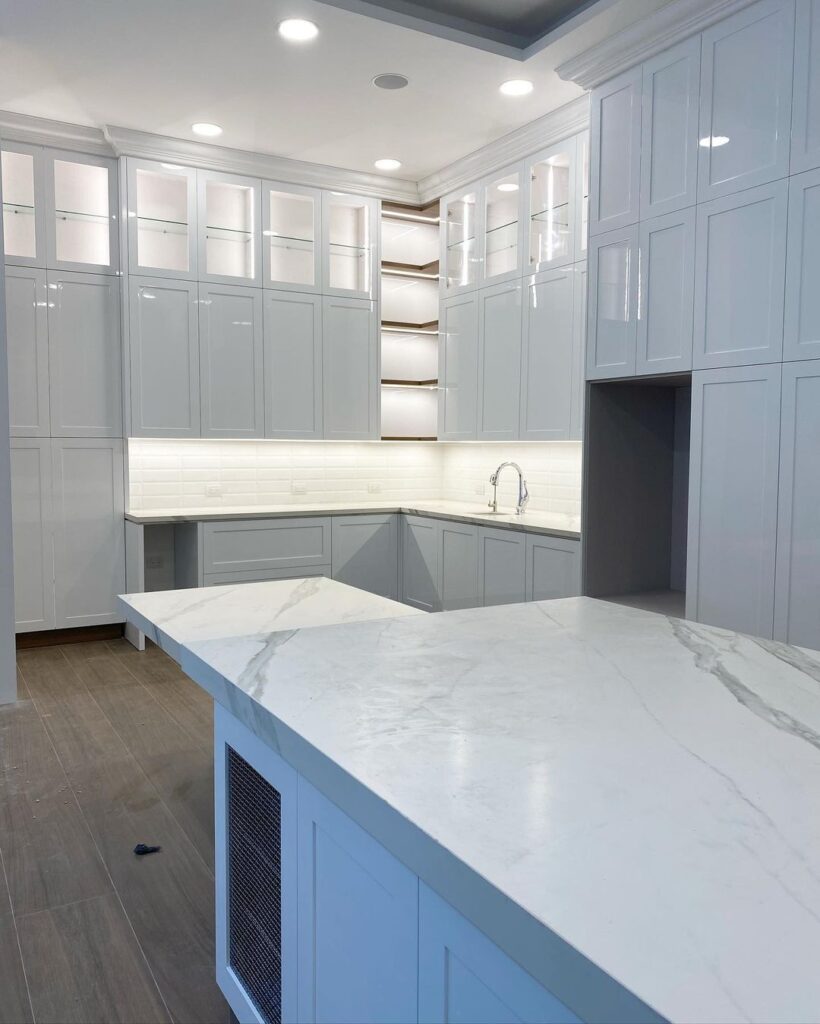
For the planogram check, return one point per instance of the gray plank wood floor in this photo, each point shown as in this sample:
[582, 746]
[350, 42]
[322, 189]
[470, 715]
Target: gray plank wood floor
[106, 747]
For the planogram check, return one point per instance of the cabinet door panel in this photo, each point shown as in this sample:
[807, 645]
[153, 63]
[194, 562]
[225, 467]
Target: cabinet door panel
[554, 190]
[548, 357]
[613, 300]
[27, 341]
[806, 112]
[462, 226]
[458, 558]
[230, 361]
[502, 254]
[745, 115]
[229, 211]
[797, 600]
[733, 498]
[357, 922]
[162, 227]
[365, 553]
[502, 560]
[576, 432]
[350, 246]
[458, 369]
[553, 568]
[291, 237]
[669, 130]
[89, 531]
[24, 191]
[667, 285]
[31, 517]
[350, 369]
[245, 545]
[82, 212]
[499, 360]
[739, 285]
[293, 365]
[84, 355]
[164, 358]
[420, 563]
[615, 151]
[801, 332]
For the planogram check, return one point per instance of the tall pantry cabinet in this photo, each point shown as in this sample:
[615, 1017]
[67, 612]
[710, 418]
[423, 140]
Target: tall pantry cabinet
[61, 231]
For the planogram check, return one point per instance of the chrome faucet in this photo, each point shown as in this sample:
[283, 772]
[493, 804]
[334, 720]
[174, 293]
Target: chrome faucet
[523, 493]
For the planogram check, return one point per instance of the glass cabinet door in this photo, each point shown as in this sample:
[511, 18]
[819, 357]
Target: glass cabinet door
[290, 234]
[22, 204]
[551, 207]
[502, 227]
[461, 229]
[161, 219]
[82, 215]
[582, 196]
[349, 226]
[228, 228]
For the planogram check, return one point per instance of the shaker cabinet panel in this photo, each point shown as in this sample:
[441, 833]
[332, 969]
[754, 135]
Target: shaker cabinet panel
[350, 369]
[291, 237]
[293, 365]
[458, 369]
[462, 218]
[553, 185]
[365, 552]
[82, 214]
[31, 518]
[458, 563]
[805, 153]
[733, 484]
[739, 285]
[350, 250]
[27, 343]
[499, 361]
[502, 256]
[801, 331]
[230, 361]
[612, 304]
[85, 355]
[797, 598]
[666, 289]
[553, 568]
[228, 218]
[420, 563]
[24, 229]
[669, 130]
[548, 356]
[502, 560]
[579, 342]
[746, 99]
[163, 358]
[615, 147]
[162, 219]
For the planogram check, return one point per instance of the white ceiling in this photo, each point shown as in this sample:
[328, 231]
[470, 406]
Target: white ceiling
[159, 65]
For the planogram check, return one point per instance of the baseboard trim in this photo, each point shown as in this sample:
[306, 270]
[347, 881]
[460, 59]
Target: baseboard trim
[75, 635]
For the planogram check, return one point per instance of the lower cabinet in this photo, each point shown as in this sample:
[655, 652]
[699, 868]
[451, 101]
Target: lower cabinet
[257, 546]
[458, 566]
[420, 563]
[553, 568]
[31, 534]
[501, 566]
[365, 553]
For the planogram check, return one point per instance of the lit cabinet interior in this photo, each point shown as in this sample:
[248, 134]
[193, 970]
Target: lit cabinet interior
[163, 216]
[349, 223]
[502, 227]
[82, 213]
[20, 227]
[290, 239]
[228, 228]
[461, 231]
[551, 208]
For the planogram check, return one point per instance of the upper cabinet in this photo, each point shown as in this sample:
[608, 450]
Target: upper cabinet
[615, 145]
[746, 99]
[23, 205]
[801, 338]
[461, 217]
[552, 224]
[161, 209]
[613, 304]
[229, 234]
[806, 102]
[501, 255]
[291, 231]
[350, 250]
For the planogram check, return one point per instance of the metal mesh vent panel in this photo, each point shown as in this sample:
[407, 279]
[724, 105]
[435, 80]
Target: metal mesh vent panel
[255, 886]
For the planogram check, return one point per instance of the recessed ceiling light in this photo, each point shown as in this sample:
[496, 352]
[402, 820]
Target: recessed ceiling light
[298, 30]
[387, 165]
[508, 186]
[206, 128]
[713, 141]
[390, 81]
[516, 87]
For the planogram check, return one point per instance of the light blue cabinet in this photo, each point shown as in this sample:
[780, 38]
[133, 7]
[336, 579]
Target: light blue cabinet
[458, 368]
[805, 153]
[615, 153]
[801, 330]
[499, 361]
[553, 568]
[27, 344]
[365, 553]
[458, 566]
[31, 514]
[420, 563]
[501, 566]
[350, 369]
[293, 365]
[613, 304]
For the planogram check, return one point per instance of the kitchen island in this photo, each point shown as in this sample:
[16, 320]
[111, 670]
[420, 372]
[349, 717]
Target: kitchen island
[555, 811]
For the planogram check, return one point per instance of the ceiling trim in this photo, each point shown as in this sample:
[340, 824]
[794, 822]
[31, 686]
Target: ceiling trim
[636, 43]
[559, 124]
[42, 131]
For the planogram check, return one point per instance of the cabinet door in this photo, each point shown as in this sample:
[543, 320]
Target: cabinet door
[257, 545]
[458, 559]
[548, 356]
[350, 379]
[81, 212]
[502, 561]
[419, 563]
[27, 341]
[458, 369]
[582, 195]
[745, 115]
[293, 365]
[801, 329]
[163, 358]
[84, 355]
[733, 498]
[502, 252]
[31, 518]
[552, 182]
[805, 153]
[576, 431]
[462, 218]
[797, 597]
[666, 288]
[350, 248]
[89, 530]
[232, 385]
[23, 178]
[465, 977]
[739, 284]
[669, 130]
[291, 233]
[365, 552]
[613, 304]
[553, 568]
[162, 231]
[499, 362]
[228, 219]
[357, 922]
[615, 149]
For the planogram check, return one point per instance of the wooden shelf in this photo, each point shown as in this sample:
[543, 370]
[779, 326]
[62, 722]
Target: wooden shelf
[405, 438]
[411, 383]
[426, 271]
[420, 214]
[397, 325]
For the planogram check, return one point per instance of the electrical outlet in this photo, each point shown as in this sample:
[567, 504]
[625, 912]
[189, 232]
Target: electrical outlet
[373, 487]
[298, 488]
[213, 490]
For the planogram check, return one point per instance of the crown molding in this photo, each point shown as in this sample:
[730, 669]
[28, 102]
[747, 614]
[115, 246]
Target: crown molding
[559, 124]
[42, 131]
[649, 36]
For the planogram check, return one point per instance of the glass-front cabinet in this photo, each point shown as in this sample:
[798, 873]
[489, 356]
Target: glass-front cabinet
[350, 249]
[81, 200]
[23, 205]
[162, 219]
[229, 234]
[551, 207]
[501, 250]
[290, 237]
[461, 217]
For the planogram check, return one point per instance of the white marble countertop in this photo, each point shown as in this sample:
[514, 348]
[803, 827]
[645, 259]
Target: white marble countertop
[553, 523]
[640, 790]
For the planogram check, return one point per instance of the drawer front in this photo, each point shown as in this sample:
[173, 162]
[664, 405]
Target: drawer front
[223, 579]
[261, 544]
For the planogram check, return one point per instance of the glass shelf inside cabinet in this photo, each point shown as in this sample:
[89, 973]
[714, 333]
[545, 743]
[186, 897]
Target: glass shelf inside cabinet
[460, 241]
[550, 228]
[162, 220]
[501, 225]
[82, 214]
[349, 246]
[291, 239]
[18, 204]
[229, 229]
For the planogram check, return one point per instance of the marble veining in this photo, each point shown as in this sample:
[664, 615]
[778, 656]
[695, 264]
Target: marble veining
[645, 788]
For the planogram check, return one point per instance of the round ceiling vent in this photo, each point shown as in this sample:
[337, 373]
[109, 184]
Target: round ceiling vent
[390, 81]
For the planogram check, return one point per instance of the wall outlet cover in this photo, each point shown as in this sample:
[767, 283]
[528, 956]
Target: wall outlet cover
[374, 487]
[213, 490]
[297, 488]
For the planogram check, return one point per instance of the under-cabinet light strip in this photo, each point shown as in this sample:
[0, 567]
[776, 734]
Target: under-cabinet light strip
[416, 217]
[409, 273]
[407, 330]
